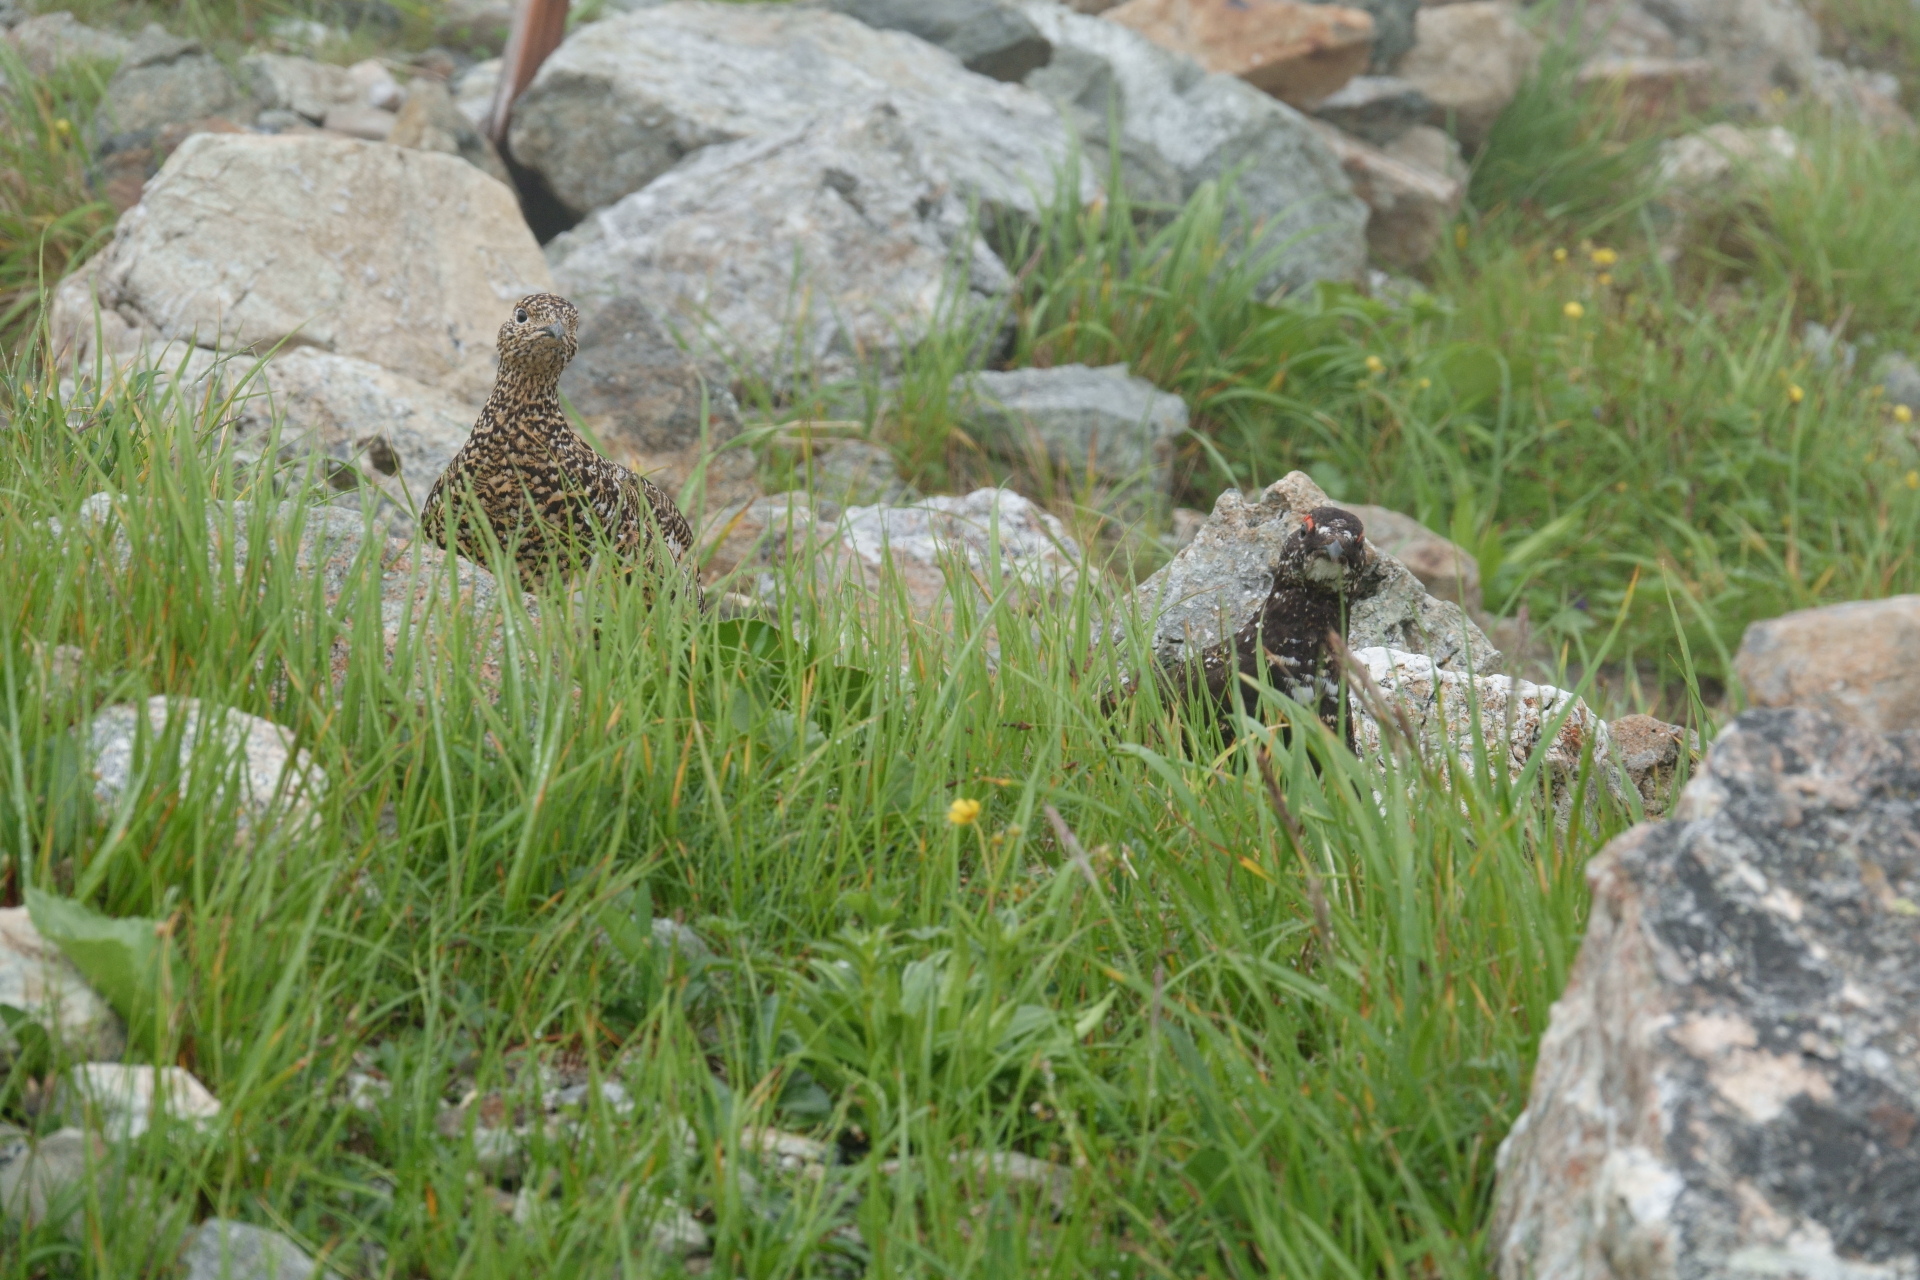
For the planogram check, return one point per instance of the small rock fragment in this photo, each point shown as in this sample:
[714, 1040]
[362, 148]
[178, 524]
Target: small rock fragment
[1470, 60]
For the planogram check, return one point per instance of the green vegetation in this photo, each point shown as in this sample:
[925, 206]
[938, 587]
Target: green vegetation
[1272, 1011]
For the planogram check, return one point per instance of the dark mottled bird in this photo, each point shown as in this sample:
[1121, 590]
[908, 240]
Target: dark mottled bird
[536, 482]
[1324, 568]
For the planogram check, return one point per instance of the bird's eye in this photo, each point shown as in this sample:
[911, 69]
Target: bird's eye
[520, 315]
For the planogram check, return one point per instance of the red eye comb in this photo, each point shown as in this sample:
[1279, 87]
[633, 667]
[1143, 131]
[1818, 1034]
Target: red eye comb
[1306, 521]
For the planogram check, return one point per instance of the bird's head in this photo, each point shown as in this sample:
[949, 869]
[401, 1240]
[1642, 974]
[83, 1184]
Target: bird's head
[1330, 546]
[538, 339]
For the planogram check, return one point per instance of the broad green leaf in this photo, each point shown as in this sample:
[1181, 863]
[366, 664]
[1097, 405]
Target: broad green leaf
[120, 958]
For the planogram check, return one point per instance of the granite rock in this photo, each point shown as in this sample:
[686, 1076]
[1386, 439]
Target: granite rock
[429, 121]
[1858, 663]
[1298, 52]
[50, 40]
[222, 1249]
[256, 772]
[1098, 424]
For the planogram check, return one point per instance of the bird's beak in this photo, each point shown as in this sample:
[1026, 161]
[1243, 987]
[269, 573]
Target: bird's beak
[556, 331]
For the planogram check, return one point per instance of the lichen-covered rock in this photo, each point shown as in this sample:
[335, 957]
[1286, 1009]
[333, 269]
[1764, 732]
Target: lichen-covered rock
[1101, 424]
[1730, 1084]
[627, 98]
[822, 249]
[1180, 128]
[1650, 753]
[37, 979]
[165, 79]
[1212, 588]
[1857, 662]
[277, 783]
[403, 258]
[943, 546]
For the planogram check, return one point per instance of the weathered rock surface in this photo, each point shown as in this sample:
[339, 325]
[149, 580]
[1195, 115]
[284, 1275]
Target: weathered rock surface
[1299, 53]
[222, 1249]
[1374, 109]
[277, 782]
[123, 1100]
[430, 122]
[1696, 169]
[1649, 752]
[1455, 716]
[627, 98]
[37, 979]
[1180, 127]
[403, 258]
[1443, 567]
[1728, 1086]
[988, 535]
[855, 473]
[369, 124]
[821, 249]
[1099, 424]
[44, 1177]
[1212, 588]
[1469, 60]
[1858, 663]
[1898, 378]
[1409, 205]
[991, 37]
[650, 407]
[165, 79]
[51, 39]
[1653, 88]
[284, 82]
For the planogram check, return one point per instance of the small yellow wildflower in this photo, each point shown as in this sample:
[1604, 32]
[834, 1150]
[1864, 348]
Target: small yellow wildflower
[63, 126]
[1902, 414]
[1603, 279]
[1796, 392]
[963, 812]
[1460, 235]
[1573, 311]
[1913, 479]
[1375, 364]
[1559, 255]
[1425, 383]
[1604, 257]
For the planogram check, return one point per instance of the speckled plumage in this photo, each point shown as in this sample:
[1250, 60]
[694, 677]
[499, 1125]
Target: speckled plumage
[1324, 568]
[541, 488]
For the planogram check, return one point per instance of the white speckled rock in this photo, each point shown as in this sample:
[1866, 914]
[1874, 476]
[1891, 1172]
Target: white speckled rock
[122, 1100]
[408, 259]
[39, 981]
[276, 782]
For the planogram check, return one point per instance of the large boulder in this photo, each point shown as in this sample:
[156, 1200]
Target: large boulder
[38, 980]
[1728, 1085]
[1213, 587]
[1102, 425]
[1470, 60]
[991, 37]
[627, 98]
[309, 89]
[1443, 567]
[1858, 662]
[404, 258]
[1180, 127]
[51, 40]
[1298, 52]
[948, 546]
[819, 249]
[166, 79]
[429, 121]
[650, 407]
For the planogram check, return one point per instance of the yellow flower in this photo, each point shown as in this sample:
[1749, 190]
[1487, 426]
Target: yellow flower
[63, 126]
[1425, 383]
[1559, 255]
[1375, 364]
[1573, 311]
[1902, 414]
[963, 812]
[1603, 279]
[1913, 479]
[1796, 392]
[1604, 257]
[1459, 235]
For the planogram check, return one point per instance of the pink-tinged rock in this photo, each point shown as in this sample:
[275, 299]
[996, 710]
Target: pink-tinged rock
[1299, 53]
[1859, 662]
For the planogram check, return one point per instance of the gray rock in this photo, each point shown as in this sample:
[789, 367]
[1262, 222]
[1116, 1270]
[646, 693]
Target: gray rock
[53, 39]
[1728, 1085]
[855, 473]
[627, 98]
[1375, 109]
[45, 1178]
[991, 37]
[1899, 379]
[276, 783]
[121, 1100]
[284, 82]
[431, 122]
[1393, 25]
[1443, 567]
[817, 251]
[409, 260]
[1858, 663]
[356, 121]
[1649, 752]
[762, 532]
[1212, 588]
[222, 1249]
[473, 91]
[37, 979]
[1179, 127]
[649, 406]
[165, 80]
[1409, 205]
[1470, 60]
[1826, 349]
[1101, 424]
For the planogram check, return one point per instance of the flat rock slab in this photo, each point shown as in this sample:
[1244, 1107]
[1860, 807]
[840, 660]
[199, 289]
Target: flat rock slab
[1859, 662]
[991, 37]
[1098, 423]
[1730, 1085]
[406, 259]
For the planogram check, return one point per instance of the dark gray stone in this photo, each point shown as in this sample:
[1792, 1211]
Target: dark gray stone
[1730, 1085]
[166, 79]
[1376, 109]
[1392, 27]
[991, 37]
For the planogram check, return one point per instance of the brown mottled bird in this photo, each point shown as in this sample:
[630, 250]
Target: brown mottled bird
[535, 481]
[1324, 568]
